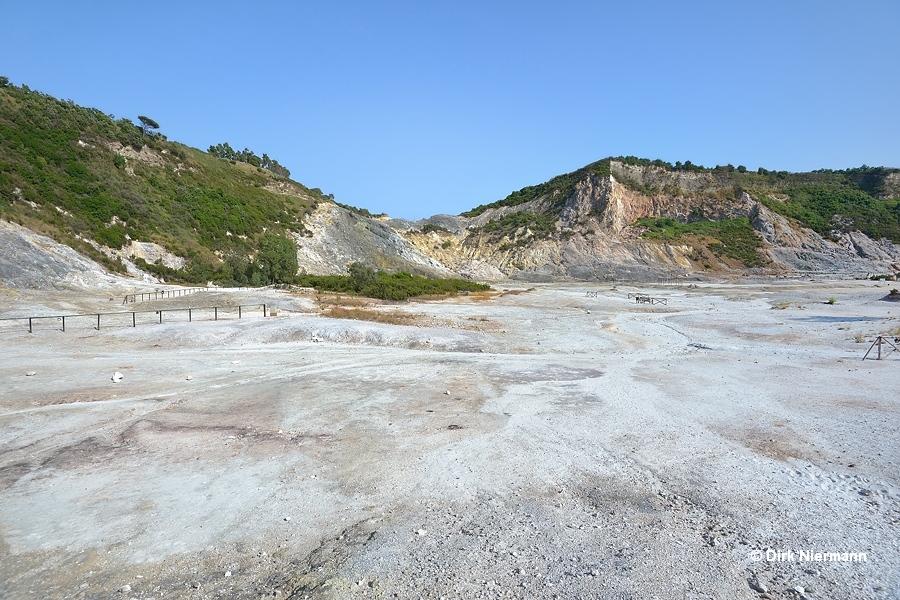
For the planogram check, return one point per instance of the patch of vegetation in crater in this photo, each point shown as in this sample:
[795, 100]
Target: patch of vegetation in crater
[835, 206]
[734, 238]
[365, 281]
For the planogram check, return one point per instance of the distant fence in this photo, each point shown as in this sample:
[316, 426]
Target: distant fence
[162, 294]
[165, 294]
[121, 319]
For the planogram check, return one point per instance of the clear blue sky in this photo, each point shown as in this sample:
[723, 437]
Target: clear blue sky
[418, 108]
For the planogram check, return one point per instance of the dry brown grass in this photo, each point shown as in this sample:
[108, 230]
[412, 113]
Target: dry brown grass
[425, 297]
[329, 300]
[515, 292]
[378, 316]
[482, 296]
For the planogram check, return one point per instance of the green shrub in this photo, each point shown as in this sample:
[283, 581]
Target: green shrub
[277, 258]
[431, 227]
[112, 236]
[377, 284]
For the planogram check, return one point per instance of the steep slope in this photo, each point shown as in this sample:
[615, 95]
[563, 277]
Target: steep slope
[337, 237]
[29, 260]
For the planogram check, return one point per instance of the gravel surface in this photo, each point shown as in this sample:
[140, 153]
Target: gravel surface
[540, 443]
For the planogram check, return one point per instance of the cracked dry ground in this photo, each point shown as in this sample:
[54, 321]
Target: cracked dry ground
[568, 446]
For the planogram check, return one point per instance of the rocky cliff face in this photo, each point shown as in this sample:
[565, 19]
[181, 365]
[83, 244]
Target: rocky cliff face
[597, 238]
[797, 249]
[338, 237]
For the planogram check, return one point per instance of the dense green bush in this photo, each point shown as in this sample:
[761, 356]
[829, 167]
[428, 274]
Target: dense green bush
[378, 284]
[277, 258]
[113, 236]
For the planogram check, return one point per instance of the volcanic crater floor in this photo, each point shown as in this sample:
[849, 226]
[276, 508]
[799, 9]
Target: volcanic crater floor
[539, 443]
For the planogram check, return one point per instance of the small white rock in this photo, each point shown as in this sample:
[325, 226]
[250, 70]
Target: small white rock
[117, 377]
[421, 532]
[125, 588]
[29, 374]
[447, 393]
[287, 518]
[189, 377]
[227, 573]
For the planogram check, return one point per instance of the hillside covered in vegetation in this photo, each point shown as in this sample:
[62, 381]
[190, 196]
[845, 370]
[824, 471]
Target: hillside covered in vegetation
[81, 176]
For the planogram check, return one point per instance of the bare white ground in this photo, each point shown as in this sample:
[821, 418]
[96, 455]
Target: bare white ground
[539, 444]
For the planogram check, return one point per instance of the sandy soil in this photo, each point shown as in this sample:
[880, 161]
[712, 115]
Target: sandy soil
[536, 444]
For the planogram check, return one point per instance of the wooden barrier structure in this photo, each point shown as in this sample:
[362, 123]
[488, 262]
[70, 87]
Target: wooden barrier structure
[645, 299]
[879, 342]
[190, 313]
[162, 294]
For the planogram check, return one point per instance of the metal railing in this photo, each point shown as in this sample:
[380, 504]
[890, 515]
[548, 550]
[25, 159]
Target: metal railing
[32, 320]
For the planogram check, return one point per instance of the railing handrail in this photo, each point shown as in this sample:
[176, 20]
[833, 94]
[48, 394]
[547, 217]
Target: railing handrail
[134, 313]
[178, 292]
